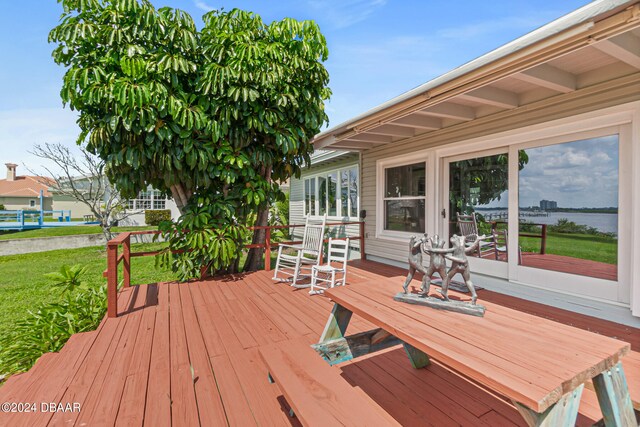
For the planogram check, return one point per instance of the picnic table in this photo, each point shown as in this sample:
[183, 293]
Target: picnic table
[540, 365]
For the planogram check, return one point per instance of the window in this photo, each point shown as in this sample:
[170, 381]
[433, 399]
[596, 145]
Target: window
[570, 190]
[32, 203]
[337, 193]
[404, 198]
[310, 196]
[159, 202]
[151, 199]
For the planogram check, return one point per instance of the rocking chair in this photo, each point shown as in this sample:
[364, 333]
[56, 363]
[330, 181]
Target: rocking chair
[468, 226]
[307, 254]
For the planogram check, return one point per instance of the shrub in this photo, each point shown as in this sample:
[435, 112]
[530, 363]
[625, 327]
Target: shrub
[155, 217]
[49, 326]
[1, 207]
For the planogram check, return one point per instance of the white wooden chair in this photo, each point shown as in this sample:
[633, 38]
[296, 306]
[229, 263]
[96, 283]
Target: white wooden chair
[468, 226]
[305, 256]
[500, 241]
[334, 272]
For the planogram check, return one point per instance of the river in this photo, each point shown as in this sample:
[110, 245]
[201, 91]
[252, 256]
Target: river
[605, 222]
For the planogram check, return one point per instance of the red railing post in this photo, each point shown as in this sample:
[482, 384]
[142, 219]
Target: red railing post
[363, 255]
[267, 249]
[543, 243]
[112, 279]
[126, 258]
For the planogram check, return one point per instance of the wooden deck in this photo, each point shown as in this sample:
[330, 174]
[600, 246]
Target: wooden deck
[566, 264]
[187, 355]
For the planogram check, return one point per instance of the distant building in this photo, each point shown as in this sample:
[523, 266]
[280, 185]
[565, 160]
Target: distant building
[548, 205]
[23, 191]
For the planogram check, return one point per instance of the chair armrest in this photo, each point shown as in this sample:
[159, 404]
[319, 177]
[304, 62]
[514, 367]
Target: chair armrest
[284, 245]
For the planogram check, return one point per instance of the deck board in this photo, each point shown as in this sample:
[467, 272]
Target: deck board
[137, 369]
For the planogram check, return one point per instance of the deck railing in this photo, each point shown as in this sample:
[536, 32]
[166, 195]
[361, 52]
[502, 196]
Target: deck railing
[124, 240]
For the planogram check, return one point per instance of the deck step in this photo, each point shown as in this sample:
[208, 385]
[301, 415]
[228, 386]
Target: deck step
[49, 382]
[26, 382]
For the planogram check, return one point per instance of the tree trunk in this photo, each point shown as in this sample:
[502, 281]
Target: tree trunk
[252, 263]
[180, 196]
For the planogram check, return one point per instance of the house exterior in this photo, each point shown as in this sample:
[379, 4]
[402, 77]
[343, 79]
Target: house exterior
[329, 186]
[554, 116]
[22, 192]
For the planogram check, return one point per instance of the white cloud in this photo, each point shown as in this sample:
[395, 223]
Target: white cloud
[342, 14]
[203, 6]
[20, 130]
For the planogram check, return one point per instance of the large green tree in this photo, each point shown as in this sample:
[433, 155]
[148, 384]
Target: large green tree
[216, 117]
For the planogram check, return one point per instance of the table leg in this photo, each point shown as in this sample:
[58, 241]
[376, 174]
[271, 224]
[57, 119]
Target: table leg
[418, 358]
[563, 413]
[613, 395]
[337, 323]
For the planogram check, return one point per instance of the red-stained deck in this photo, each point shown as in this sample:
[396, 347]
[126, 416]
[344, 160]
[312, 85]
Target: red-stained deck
[187, 354]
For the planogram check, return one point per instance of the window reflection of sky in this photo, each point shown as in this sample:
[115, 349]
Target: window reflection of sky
[575, 174]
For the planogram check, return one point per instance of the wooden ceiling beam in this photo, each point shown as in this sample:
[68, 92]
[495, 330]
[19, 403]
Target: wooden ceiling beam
[450, 110]
[492, 96]
[550, 77]
[391, 130]
[368, 137]
[625, 48]
[352, 145]
[419, 122]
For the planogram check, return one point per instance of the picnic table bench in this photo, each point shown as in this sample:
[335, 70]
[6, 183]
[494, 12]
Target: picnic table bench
[540, 365]
[316, 392]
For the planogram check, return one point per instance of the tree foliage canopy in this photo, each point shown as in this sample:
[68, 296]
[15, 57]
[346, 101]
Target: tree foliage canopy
[480, 180]
[214, 116]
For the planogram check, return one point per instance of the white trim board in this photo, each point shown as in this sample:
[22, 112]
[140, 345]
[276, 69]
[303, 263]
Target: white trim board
[599, 309]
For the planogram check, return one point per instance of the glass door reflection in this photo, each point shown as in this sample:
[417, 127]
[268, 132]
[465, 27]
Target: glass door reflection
[478, 203]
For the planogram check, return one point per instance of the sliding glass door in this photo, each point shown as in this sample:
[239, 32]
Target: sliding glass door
[477, 207]
[568, 206]
[549, 213]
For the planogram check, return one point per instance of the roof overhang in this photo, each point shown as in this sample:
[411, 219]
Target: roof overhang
[597, 42]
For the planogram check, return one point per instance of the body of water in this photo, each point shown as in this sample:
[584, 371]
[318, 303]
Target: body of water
[605, 222]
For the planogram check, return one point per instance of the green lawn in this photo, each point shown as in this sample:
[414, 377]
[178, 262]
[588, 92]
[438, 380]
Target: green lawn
[64, 231]
[583, 246]
[23, 285]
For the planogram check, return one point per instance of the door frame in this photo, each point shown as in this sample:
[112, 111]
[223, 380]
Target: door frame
[620, 119]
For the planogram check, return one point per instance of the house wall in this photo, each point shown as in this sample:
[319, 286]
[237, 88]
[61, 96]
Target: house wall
[22, 203]
[78, 210]
[296, 197]
[612, 93]
[137, 219]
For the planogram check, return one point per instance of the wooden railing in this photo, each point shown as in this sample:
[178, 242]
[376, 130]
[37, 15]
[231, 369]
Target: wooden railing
[542, 236]
[124, 239]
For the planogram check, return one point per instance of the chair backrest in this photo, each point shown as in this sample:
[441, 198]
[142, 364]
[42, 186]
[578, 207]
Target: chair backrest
[468, 226]
[500, 238]
[338, 251]
[313, 236]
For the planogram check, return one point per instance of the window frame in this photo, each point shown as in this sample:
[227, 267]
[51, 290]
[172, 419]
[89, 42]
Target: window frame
[151, 199]
[342, 211]
[381, 199]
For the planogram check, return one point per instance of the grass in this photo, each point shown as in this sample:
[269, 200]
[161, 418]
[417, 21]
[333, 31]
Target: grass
[582, 246]
[70, 230]
[23, 285]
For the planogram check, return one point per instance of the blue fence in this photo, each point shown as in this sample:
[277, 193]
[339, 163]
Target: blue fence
[29, 219]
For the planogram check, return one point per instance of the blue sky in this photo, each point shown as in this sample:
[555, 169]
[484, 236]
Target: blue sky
[378, 49]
